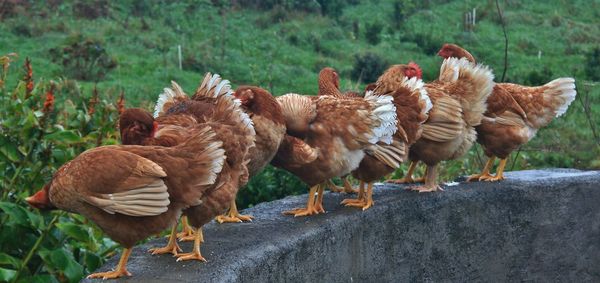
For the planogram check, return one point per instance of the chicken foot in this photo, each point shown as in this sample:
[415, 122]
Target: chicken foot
[367, 201]
[499, 172]
[485, 174]
[172, 247]
[431, 184]
[187, 232]
[232, 215]
[119, 272]
[408, 178]
[310, 204]
[195, 254]
[346, 189]
[359, 198]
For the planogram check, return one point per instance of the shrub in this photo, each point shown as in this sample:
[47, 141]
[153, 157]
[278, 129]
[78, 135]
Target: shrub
[91, 9]
[48, 125]
[592, 65]
[368, 67]
[83, 58]
[372, 32]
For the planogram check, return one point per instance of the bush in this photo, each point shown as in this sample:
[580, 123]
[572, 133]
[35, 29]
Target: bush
[592, 65]
[91, 9]
[368, 67]
[48, 126]
[83, 58]
[372, 32]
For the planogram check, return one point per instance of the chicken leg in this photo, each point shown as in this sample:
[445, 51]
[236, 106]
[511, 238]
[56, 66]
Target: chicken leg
[187, 232]
[499, 172]
[319, 202]
[171, 247]
[233, 216]
[367, 201]
[346, 189]
[310, 205]
[119, 272]
[408, 178]
[485, 174]
[359, 198]
[431, 184]
[195, 254]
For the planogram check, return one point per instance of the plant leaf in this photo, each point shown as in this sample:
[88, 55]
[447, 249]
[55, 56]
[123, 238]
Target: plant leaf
[6, 275]
[67, 136]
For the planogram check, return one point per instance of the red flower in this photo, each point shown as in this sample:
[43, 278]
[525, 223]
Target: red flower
[49, 102]
[28, 78]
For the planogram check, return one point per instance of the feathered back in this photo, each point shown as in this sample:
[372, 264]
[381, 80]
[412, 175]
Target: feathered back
[227, 108]
[471, 84]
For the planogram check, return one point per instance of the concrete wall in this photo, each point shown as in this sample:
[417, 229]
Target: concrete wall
[541, 225]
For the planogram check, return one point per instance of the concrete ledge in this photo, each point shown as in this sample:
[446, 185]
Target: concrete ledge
[539, 225]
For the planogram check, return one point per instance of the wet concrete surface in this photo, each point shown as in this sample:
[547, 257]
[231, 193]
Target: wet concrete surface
[538, 225]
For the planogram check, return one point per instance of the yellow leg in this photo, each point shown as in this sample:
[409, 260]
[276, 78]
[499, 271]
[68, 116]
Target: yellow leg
[119, 272]
[359, 198]
[187, 232]
[367, 201]
[348, 186]
[310, 205]
[172, 247]
[319, 202]
[233, 216]
[195, 254]
[431, 184]
[408, 178]
[499, 172]
[485, 173]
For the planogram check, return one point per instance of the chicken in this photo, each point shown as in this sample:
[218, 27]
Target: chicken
[132, 192]
[338, 131]
[329, 84]
[514, 114]
[458, 98]
[412, 105]
[269, 125]
[214, 105]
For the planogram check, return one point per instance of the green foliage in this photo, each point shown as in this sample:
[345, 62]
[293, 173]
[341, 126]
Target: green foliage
[368, 67]
[372, 32]
[592, 66]
[50, 123]
[83, 58]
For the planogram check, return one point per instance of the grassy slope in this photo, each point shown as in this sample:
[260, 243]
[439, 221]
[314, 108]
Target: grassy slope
[258, 50]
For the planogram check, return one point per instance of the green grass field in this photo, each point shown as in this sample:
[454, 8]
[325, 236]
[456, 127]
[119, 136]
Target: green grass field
[131, 47]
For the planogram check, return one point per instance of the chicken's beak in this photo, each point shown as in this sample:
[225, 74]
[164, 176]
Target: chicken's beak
[40, 200]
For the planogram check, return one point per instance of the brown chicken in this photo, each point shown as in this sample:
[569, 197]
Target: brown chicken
[132, 192]
[458, 98]
[269, 125]
[514, 114]
[213, 105]
[339, 144]
[412, 105]
[329, 84]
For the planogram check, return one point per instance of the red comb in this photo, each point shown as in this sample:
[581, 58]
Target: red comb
[417, 68]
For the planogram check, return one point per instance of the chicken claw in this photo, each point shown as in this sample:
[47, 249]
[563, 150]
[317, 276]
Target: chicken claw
[187, 233]
[172, 247]
[195, 254]
[499, 172]
[485, 173]
[408, 179]
[233, 216]
[119, 272]
[347, 188]
[311, 208]
[364, 201]
[359, 198]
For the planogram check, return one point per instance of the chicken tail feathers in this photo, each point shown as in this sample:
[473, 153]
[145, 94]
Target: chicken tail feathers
[208, 155]
[559, 94]
[168, 98]
[471, 83]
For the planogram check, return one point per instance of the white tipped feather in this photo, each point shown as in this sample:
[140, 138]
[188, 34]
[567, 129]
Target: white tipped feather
[385, 115]
[167, 96]
[417, 84]
[561, 90]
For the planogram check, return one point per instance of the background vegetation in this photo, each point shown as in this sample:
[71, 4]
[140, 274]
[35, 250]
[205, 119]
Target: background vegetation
[90, 57]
